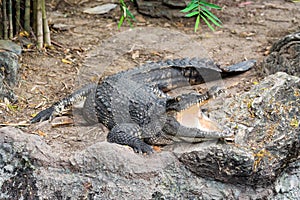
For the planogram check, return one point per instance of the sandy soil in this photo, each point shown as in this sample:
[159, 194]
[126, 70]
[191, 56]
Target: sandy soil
[247, 33]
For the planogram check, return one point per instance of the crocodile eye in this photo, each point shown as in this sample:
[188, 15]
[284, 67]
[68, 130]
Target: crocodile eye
[178, 99]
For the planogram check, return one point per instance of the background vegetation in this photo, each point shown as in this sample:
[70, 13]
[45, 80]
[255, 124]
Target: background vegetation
[28, 18]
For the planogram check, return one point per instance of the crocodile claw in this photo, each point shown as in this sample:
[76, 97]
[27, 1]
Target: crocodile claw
[142, 147]
[43, 115]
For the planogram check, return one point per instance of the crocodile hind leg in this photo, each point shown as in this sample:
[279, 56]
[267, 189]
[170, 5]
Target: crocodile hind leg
[61, 106]
[129, 134]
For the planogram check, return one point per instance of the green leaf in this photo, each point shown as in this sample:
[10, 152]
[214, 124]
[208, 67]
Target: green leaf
[212, 15]
[190, 7]
[122, 3]
[210, 5]
[121, 21]
[211, 19]
[207, 22]
[197, 23]
[192, 14]
[130, 14]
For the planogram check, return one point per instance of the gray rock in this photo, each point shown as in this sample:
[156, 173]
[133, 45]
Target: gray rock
[9, 52]
[8, 45]
[98, 10]
[284, 56]
[266, 121]
[101, 171]
[287, 186]
[161, 8]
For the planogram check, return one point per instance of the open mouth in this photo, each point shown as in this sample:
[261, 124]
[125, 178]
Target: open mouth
[193, 117]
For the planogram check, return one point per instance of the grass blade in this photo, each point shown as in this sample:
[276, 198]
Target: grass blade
[129, 14]
[212, 15]
[192, 14]
[121, 21]
[210, 5]
[210, 18]
[190, 7]
[207, 23]
[197, 23]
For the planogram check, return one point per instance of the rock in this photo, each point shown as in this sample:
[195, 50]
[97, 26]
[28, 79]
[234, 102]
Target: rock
[161, 8]
[9, 52]
[284, 56]
[101, 171]
[287, 186]
[8, 45]
[62, 27]
[98, 10]
[266, 121]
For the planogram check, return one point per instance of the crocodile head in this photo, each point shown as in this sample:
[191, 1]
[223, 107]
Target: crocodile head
[190, 122]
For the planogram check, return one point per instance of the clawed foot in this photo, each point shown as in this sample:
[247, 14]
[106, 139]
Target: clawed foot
[43, 115]
[141, 147]
[129, 134]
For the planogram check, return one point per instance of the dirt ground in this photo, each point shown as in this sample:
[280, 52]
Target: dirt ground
[249, 29]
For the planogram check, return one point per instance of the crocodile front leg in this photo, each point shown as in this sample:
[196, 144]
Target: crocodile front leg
[129, 134]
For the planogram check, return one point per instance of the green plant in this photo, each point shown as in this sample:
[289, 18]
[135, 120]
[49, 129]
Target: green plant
[201, 9]
[196, 7]
[125, 14]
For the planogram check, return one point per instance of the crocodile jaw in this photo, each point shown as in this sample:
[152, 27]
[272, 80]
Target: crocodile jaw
[193, 117]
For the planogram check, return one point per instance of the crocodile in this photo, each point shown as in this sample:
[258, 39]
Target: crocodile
[138, 111]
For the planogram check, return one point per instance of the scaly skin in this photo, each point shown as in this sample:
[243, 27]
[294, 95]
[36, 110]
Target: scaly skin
[134, 106]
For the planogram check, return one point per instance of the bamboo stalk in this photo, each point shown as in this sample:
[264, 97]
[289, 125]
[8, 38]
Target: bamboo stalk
[5, 33]
[27, 16]
[10, 20]
[1, 24]
[39, 28]
[18, 11]
[47, 39]
[34, 16]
